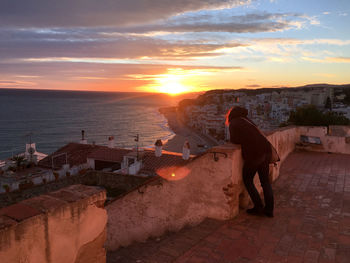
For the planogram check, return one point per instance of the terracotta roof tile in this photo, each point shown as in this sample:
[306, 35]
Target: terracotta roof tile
[78, 153]
[109, 154]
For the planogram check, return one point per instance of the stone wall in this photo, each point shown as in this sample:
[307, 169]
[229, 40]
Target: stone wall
[183, 196]
[330, 142]
[339, 130]
[284, 141]
[68, 225]
[335, 144]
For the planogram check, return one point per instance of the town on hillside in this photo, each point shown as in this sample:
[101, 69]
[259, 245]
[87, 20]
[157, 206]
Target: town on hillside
[268, 108]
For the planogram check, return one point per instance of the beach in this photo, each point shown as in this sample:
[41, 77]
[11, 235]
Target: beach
[198, 144]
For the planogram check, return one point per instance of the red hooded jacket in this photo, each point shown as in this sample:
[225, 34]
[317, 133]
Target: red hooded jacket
[255, 147]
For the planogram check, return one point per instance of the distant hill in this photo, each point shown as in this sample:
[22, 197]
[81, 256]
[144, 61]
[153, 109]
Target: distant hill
[266, 90]
[208, 96]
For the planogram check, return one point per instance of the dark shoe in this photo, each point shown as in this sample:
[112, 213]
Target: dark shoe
[255, 211]
[268, 213]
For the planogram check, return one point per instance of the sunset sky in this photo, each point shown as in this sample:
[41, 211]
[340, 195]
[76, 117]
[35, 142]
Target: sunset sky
[173, 45]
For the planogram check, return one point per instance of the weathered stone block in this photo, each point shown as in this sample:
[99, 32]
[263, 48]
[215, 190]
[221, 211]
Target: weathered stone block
[62, 227]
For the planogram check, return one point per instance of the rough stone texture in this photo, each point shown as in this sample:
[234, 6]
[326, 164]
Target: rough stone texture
[54, 228]
[93, 252]
[330, 143]
[284, 141]
[311, 223]
[115, 185]
[339, 130]
[19, 212]
[18, 196]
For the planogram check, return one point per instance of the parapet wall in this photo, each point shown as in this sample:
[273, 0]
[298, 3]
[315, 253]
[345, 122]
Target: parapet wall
[210, 186]
[284, 141]
[186, 196]
[68, 225]
[330, 142]
[339, 130]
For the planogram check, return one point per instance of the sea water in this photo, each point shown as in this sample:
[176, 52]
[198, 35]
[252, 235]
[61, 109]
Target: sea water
[52, 119]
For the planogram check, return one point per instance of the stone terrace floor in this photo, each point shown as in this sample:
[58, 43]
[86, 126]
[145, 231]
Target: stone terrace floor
[311, 223]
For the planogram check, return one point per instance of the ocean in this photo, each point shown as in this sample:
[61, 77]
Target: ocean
[52, 119]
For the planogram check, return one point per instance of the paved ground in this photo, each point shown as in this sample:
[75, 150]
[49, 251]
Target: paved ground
[311, 223]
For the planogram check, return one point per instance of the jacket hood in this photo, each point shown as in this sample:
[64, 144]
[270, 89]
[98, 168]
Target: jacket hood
[237, 112]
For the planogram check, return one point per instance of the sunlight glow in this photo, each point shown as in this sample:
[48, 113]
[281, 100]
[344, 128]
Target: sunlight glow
[172, 83]
[173, 173]
[182, 80]
[171, 86]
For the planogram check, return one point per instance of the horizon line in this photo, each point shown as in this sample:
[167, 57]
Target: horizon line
[149, 92]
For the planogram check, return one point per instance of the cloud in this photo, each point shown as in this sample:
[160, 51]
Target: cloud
[325, 75]
[101, 76]
[230, 27]
[327, 41]
[253, 86]
[339, 59]
[122, 43]
[85, 44]
[95, 13]
[248, 23]
[2, 82]
[314, 20]
[129, 42]
[286, 50]
[280, 59]
[16, 84]
[283, 44]
[314, 60]
[328, 59]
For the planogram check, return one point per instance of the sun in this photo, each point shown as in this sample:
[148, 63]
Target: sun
[171, 84]
[173, 88]
[174, 82]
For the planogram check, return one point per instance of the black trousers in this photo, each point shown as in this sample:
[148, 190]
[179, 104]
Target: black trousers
[249, 172]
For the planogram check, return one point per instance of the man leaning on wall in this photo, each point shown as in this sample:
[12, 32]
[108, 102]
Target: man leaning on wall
[257, 153]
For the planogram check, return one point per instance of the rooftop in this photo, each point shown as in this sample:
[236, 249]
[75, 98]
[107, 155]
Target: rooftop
[22, 174]
[311, 223]
[76, 154]
[109, 154]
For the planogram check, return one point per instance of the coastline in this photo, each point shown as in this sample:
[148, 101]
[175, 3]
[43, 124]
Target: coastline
[182, 134]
